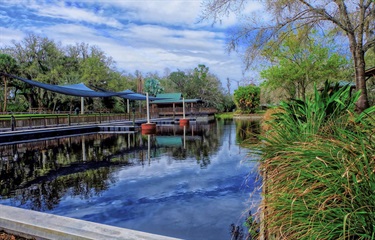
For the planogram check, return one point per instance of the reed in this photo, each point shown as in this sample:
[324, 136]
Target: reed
[318, 166]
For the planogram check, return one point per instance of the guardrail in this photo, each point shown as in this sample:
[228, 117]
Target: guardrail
[32, 121]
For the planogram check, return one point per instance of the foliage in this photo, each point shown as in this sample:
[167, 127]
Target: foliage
[317, 166]
[46, 61]
[153, 87]
[299, 63]
[370, 63]
[226, 104]
[43, 60]
[200, 83]
[7, 65]
[247, 98]
[352, 19]
[179, 79]
[226, 115]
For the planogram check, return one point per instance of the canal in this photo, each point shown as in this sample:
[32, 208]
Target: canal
[193, 182]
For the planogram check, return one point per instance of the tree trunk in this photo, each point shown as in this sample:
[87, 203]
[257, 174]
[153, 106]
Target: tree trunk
[359, 66]
[360, 80]
[31, 99]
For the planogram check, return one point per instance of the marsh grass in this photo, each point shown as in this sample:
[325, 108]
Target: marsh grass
[318, 167]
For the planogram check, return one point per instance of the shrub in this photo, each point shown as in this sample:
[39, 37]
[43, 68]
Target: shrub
[247, 98]
[318, 169]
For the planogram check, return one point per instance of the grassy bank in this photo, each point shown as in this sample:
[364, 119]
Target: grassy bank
[225, 115]
[318, 168]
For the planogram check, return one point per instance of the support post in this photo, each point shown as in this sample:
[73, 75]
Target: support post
[13, 123]
[183, 107]
[147, 108]
[82, 106]
[128, 108]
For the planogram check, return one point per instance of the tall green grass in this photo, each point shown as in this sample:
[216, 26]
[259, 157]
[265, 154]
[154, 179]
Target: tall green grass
[318, 167]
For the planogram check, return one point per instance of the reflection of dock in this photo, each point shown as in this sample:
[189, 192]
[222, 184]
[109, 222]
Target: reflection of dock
[165, 126]
[50, 132]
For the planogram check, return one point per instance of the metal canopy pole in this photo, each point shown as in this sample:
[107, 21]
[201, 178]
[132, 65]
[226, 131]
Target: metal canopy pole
[82, 106]
[148, 109]
[183, 107]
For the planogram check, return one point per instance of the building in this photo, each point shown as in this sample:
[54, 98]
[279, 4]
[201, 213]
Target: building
[172, 105]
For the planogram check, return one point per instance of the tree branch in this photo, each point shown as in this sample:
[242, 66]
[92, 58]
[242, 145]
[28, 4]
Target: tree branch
[369, 44]
[325, 15]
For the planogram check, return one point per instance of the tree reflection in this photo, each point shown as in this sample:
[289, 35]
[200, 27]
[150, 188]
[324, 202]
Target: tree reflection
[36, 175]
[247, 131]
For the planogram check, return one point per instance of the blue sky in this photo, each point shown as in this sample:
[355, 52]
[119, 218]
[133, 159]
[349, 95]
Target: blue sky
[144, 35]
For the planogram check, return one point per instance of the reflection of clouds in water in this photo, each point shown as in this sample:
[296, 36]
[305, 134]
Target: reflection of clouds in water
[167, 196]
[188, 199]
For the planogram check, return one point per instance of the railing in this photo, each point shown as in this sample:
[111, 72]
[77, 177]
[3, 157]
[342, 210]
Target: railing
[21, 122]
[31, 121]
[188, 111]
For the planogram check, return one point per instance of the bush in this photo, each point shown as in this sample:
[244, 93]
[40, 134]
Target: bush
[247, 98]
[318, 169]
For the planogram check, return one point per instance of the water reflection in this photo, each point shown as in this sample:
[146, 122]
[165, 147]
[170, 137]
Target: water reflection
[127, 180]
[247, 132]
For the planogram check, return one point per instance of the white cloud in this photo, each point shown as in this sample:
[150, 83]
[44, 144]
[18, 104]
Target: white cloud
[7, 35]
[76, 14]
[176, 12]
[140, 35]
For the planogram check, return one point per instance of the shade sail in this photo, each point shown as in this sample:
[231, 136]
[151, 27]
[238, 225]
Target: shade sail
[79, 86]
[129, 94]
[64, 89]
[81, 90]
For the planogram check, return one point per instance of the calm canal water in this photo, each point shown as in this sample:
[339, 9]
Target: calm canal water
[189, 183]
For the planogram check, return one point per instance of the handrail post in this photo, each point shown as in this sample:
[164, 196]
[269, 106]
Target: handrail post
[13, 122]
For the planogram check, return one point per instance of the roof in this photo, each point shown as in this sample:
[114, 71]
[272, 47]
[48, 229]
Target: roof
[173, 98]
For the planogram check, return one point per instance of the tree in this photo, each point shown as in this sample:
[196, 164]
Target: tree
[7, 65]
[370, 61]
[39, 58]
[299, 63]
[153, 87]
[247, 98]
[180, 79]
[197, 83]
[204, 85]
[355, 19]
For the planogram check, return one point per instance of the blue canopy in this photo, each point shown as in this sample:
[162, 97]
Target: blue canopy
[78, 86]
[68, 90]
[81, 90]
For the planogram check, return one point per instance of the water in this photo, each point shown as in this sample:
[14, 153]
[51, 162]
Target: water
[189, 183]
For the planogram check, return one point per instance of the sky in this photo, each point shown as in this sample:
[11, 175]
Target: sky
[144, 35]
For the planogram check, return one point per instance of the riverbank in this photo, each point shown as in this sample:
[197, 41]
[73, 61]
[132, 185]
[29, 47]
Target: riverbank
[232, 115]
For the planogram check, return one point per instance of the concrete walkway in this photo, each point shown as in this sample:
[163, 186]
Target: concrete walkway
[27, 223]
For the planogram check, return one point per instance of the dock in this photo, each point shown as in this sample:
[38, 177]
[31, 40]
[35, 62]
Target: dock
[32, 134]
